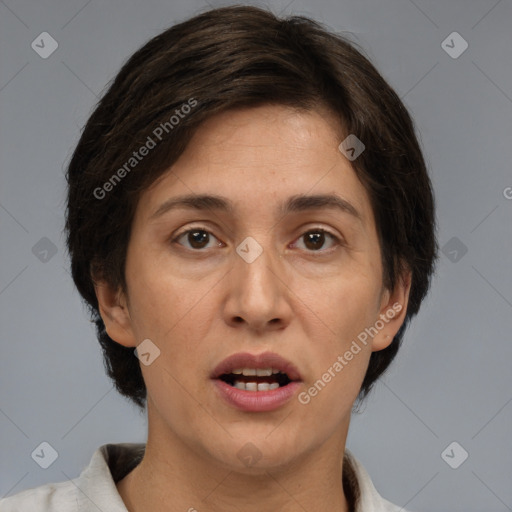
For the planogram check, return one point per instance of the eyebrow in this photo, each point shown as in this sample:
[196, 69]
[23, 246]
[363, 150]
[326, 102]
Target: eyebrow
[296, 203]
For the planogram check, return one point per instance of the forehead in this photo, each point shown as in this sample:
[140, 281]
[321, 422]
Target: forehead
[261, 158]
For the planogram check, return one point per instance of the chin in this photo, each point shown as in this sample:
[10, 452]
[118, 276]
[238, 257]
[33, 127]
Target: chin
[258, 451]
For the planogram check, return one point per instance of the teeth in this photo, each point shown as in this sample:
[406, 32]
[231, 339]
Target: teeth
[256, 386]
[260, 372]
[255, 372]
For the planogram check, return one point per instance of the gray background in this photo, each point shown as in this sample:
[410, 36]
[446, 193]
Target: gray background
[452, 379]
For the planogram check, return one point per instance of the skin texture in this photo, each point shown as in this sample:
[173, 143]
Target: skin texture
[199, 302]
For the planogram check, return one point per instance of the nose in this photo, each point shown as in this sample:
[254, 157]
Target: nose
[258, 295]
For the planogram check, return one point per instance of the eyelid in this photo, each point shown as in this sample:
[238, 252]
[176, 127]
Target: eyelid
[337, 239]
[189, 229]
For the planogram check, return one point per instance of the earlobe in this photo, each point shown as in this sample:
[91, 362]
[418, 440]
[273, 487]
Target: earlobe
[392, 313]
[114, 313]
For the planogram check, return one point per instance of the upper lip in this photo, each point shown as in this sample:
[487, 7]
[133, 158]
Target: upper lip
[263, 360]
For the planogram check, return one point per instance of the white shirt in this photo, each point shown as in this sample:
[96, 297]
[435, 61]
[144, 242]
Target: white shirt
[95, 488]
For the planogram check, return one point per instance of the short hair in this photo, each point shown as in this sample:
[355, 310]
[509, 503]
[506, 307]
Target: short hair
[228, 58]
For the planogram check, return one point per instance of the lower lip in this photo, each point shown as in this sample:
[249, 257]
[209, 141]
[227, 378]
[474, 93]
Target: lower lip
[257, 401]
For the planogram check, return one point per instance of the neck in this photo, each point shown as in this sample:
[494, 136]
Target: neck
[174, 476]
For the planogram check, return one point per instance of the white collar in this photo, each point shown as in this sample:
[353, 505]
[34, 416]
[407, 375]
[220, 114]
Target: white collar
[95, 489]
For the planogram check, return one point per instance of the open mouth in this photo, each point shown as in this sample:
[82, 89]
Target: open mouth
[256, 379]
[256, 382]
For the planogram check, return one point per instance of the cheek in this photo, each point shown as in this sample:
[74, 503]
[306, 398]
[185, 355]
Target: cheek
[339, 360]
[174, 315]
[163, 301]
[348, 303]
[342, 308]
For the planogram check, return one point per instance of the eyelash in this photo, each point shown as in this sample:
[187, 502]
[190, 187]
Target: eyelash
[336, 239]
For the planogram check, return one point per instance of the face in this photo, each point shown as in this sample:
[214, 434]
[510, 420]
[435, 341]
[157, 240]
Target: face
[256, 272]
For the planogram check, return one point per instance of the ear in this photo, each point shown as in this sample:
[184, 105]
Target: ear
[393, 310]
[114, 312]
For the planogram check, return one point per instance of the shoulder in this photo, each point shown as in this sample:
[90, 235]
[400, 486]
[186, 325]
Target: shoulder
[56, 497]
[95, 488]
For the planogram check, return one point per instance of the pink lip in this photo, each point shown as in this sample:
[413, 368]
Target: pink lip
[256, 401]
[264, 360]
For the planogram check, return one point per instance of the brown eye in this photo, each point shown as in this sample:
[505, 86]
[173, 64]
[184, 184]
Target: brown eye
[315, 239]
[196, 238]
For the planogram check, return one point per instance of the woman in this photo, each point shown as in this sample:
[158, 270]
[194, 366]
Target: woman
[251, 223]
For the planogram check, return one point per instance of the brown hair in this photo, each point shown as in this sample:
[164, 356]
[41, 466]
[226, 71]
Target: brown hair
[222, 59]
